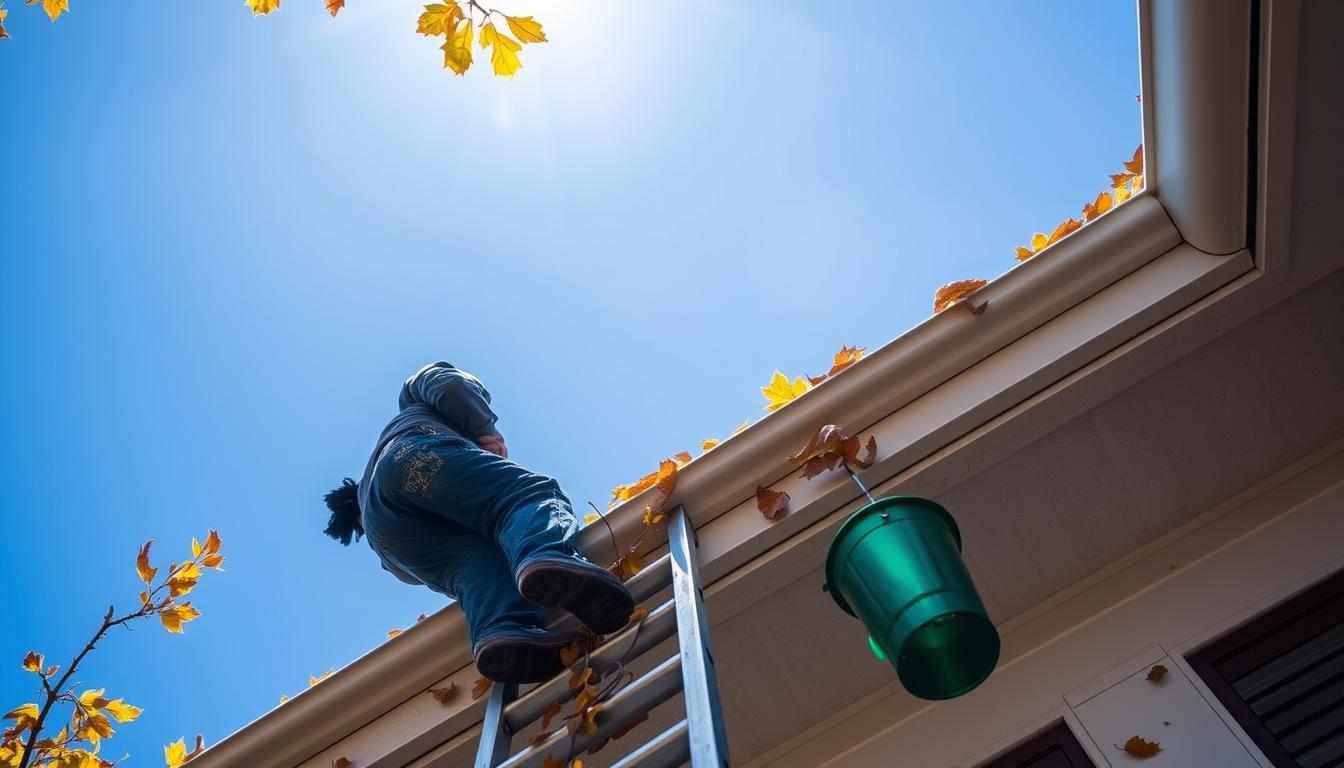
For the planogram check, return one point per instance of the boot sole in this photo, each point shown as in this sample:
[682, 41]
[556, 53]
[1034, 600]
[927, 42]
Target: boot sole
[521, 659]
[591, 594]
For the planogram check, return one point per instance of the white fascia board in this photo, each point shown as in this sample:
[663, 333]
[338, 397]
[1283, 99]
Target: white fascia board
[1124, 268]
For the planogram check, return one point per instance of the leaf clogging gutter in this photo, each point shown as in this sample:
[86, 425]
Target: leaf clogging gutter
[1193, 124]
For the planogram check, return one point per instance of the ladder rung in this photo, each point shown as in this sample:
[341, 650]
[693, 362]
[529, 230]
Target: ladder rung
[658, 626]
[668, 749]
[658, 685]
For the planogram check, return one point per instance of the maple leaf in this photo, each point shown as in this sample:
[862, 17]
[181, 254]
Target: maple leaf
[1136, 184]
[709, 443]
[1101, 205]
[1156, 673]
[590, 518]
[334, 7]
[94, 728]
[779, 392]
[525, 29]
[174, 616]
[142, 564]
[829, 447]
[33, 662]
[262, 7]
[549, 714]
[627, 566]
[439, 18]
[1121, 195]
[480, 687]
[1023, 253]
[846, 357]
[342, 762]
[773, 504]
[445, 694]
[54, 8]
[391, 633]
[1119, 180]
[682, 458]
[1135, 164]
[24, 717]
[3, 13]
[315, 680]
[175, 754]
[1065, 228]
[457, 49]
[954, 292]
[1141, 747]
[638, 614]
[505, 56]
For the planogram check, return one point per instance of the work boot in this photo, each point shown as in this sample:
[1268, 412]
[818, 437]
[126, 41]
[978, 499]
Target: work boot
[590, 592]
[521, 654]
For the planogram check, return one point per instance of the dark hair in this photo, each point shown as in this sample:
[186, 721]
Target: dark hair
[344, 505]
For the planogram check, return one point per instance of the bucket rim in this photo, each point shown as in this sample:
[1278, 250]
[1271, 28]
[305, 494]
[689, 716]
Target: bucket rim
[877, 506]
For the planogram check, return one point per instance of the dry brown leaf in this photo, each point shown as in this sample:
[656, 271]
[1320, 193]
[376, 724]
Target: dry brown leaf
[480, 688]
[1023, 253]
[954, 292]
[539, 738]
[593, 750]
[1119, 180]
[829, 448]
[445, 694]
[393, 632]
[585, 676]
[1141, 747]
[549, 713]
[1135, 164]
[630, 726]
[638, 614]
[334, 7]
[773, 504]
[571, 653]
[341, 762]
[1156, 673]
[627, 566]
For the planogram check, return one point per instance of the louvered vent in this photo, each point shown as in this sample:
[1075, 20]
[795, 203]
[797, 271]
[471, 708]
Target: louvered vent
[1281, 676]
[1055, 748]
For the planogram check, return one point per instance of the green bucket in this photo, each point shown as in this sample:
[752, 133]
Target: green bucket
[896, 565]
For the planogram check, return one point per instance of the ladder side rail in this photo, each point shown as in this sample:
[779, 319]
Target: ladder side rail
[704, 715]
[496, 736]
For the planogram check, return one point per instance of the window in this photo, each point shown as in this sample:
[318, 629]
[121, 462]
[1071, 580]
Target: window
[1056, 747]
[1281, 675]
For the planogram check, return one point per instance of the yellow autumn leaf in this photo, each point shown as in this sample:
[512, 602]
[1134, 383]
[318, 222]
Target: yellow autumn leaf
[3, 13]
[33, 662]
[740, 427]
[1023, 253]
[24, 717]
[525, 29]
[1135, 164]
[175, 754]
[1101, 205]
[391, 633]
[439, 18]
[262, 7]
[334, 7]
[93, 698]
[1121, 195]
[174, 616]
[142, 564]
[54, 8]
[1065, 228]
[121, 711]
[94, 728]
[504, 58]
[184, 580]
[590, 518]
[1039, 241]
[709, 443]
[315, 680]
[1136, 184]
[779, 392]
[457, 50]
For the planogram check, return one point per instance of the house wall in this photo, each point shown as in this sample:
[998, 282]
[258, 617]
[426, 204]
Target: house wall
[1082, 656]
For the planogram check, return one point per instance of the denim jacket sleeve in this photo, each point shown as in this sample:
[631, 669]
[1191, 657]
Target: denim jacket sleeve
[458, 397]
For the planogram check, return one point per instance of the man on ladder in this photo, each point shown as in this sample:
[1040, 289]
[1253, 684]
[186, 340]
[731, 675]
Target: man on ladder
[442, 505]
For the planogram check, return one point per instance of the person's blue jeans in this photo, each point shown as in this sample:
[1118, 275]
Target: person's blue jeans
[463, 520]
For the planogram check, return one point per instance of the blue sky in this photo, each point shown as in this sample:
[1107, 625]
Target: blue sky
[224, 241]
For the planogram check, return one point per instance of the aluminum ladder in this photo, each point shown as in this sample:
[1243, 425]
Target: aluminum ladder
[699, 738]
